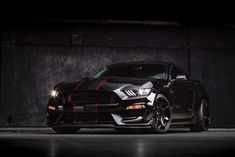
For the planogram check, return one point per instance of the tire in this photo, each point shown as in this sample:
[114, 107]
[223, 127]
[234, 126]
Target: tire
[161, 115]
[65, 130]
[202, 119]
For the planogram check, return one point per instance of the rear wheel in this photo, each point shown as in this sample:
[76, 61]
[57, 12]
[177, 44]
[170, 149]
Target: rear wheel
[161, 115]
[202, 118]
[65, 130]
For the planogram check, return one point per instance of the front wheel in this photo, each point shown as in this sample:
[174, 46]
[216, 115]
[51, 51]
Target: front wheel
[65, 130]
[202, 123]
[161, 114]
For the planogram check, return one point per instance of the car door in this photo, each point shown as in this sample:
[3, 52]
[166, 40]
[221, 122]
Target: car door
[188, 97]
[180, 94]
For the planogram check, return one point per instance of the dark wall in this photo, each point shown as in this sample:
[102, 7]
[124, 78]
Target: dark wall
[33, 59]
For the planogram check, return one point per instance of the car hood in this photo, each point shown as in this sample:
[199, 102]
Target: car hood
[104, 84]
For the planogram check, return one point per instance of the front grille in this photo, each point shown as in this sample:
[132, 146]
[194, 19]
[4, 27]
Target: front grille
[92, 98]
[87, 118]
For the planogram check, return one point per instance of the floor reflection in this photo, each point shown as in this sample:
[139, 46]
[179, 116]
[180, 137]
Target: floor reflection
[110, 143]
[53, 148]
[140, 148]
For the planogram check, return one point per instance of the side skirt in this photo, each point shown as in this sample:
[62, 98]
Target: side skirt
[187, 121]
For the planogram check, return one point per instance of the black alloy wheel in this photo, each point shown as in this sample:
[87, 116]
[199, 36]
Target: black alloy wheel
[202, 119]
[161, 115]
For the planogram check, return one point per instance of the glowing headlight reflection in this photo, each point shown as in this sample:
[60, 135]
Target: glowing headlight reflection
[141, 92]
[144, 91]
[54, 93]
[130, 93]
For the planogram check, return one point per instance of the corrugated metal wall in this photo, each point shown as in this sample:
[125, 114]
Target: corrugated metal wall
[35, 58]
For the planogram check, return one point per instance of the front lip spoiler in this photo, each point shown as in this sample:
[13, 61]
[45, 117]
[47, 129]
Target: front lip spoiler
[101, 126]
[120, 122]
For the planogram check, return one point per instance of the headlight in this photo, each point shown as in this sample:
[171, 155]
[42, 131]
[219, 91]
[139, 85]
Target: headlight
[144, 91]
[54, 93]
[130, 93]
[141, 92]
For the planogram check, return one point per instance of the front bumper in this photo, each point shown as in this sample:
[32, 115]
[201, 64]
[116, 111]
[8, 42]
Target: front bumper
[101, 115]
[116, 123]
[113, 115]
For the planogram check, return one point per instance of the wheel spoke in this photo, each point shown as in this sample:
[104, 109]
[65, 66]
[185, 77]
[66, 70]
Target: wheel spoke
[162, 115]
[206, 118]
[166, 118]
[161, 106]
[166, 108]
[162, 122]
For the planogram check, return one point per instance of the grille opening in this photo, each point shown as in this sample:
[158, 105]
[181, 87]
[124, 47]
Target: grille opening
[87, 118]
[92, 97]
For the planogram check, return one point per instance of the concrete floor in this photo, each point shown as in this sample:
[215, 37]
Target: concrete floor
[106, 142]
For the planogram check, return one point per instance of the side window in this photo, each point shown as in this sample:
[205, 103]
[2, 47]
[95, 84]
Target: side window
[174, 72]
[180, 72]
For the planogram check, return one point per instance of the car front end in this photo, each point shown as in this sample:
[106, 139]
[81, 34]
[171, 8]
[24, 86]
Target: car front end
[112, 104]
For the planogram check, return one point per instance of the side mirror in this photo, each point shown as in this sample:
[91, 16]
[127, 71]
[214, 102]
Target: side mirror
[181, 77]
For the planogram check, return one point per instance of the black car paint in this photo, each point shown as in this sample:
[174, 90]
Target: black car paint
[184, 95]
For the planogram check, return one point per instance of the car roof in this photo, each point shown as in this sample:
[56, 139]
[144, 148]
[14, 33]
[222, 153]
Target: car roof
[142, 63]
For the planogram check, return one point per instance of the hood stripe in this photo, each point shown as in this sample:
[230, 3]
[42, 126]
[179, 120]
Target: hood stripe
[96, 106]
[79, 84]
[100, 84]
[96, 110]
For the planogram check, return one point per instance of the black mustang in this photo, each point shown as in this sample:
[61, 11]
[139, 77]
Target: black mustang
[152, 95]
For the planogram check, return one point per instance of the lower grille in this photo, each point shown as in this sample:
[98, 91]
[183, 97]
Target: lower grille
[87, 118]
[92, 98]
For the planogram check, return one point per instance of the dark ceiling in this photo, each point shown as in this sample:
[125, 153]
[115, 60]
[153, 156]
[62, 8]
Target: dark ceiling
[194, 13]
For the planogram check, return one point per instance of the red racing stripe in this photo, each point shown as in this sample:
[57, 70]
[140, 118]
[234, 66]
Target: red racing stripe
[79, 84]
[97, 103]
[96, 107]
[96, 110]
[97, 119]
[74, 121]
[100, 84]
[69, 98]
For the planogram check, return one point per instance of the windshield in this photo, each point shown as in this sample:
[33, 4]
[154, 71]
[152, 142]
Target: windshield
[155, 71]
